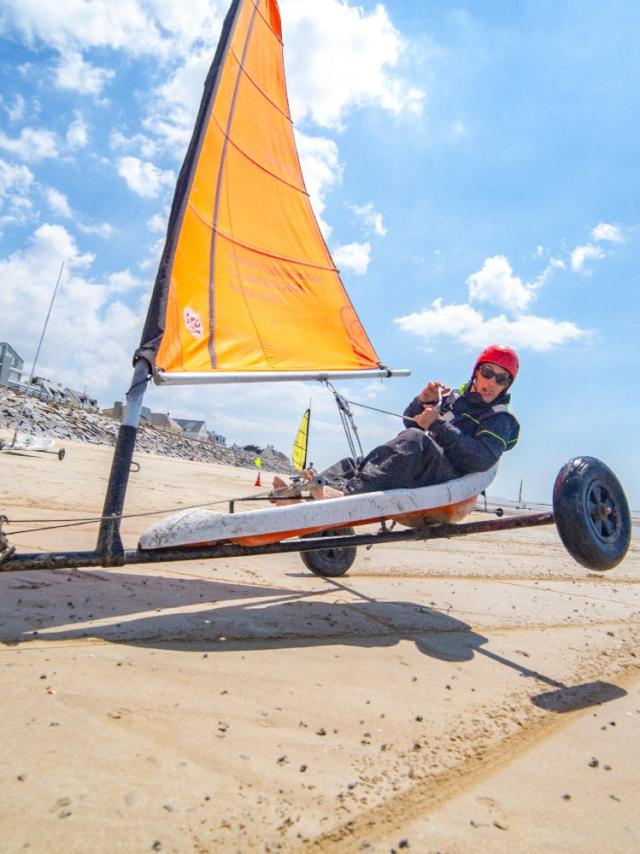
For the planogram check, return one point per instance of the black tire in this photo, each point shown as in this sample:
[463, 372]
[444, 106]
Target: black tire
[330, 563]
[499, 512]
[592, 513]
[61, 454]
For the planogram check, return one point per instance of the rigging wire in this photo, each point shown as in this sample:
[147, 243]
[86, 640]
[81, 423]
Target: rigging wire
[348, 422]
[70, 523]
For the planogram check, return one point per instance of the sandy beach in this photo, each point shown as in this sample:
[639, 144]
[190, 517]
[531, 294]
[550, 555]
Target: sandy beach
[452, 696]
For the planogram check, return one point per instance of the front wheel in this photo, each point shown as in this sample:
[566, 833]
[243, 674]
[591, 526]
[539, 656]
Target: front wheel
[592, 513]
[333, 562]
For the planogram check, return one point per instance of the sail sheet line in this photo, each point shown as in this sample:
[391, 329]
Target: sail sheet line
[259, 88]
[265, 252]
[302, 190]
[216, 208]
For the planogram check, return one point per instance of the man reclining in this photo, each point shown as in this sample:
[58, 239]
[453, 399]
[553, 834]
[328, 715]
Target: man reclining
[448, 434]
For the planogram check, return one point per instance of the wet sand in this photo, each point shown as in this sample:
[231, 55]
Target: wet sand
[454, 696]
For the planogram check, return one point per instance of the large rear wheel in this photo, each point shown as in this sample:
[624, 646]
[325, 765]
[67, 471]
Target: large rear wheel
[592, 513]
[333, 562]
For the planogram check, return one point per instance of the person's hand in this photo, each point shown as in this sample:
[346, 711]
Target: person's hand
[426, 418]
[432, 391]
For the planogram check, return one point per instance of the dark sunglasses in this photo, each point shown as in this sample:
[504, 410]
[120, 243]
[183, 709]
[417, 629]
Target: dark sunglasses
[489, 373]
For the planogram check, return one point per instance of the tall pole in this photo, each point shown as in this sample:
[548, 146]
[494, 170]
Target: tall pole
[35, 359]
[109, 541]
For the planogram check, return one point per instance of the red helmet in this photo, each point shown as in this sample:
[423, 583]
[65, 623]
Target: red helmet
[501, 355]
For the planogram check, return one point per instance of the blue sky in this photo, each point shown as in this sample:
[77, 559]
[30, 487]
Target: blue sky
[474, 167]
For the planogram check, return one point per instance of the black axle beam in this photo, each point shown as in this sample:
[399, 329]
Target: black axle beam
[75, 560]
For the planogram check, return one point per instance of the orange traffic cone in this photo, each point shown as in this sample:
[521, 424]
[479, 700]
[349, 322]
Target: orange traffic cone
[258, 483]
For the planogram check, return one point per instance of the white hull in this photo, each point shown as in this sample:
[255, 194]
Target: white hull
[191, 527]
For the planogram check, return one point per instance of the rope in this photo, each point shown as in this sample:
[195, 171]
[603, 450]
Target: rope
[70, 523]
[383, 411]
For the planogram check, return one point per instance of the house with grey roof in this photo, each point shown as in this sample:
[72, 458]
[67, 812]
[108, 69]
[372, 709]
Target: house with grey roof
[11, 365]
[216, 438]
[47, 389]
[81, 399]
[164, 421]
[117, 410]
[193, 429]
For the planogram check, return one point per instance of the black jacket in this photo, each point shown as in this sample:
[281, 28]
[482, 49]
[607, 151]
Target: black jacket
[472, 434]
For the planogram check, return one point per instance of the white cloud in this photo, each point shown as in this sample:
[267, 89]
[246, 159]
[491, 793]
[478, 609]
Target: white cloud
[73, 73]
[496, 284]
[353, 256]
[33, 144]
[144, 178]
[58, 203]
[157, 224]
[189, 24]
[173, 111]
[152, 259]
[100, 357]
[163, 29]
[15, 184]
[14, 179]
[604, 232]
[322, 170]
[465, 324]
[371, 218]
[77, 136]
[100, 23]
[139, 143]
[554, 264]
[608, 232]
[340, 57]
[337, 58]
[582, 254]
[123, 281]
[102, 229]
[15, 110]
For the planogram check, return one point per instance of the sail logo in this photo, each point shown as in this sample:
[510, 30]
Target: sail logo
[193, 322]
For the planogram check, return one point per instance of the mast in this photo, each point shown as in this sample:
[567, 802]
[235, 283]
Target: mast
[246, 289]
[35, 358]
[109, 544]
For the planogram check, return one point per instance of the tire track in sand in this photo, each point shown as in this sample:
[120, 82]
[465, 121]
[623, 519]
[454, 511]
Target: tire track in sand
[430, 793]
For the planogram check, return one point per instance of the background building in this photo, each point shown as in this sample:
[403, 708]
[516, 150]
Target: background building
[10, 365]
[193, 429]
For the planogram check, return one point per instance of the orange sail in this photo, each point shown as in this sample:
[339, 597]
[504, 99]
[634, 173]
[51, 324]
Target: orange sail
[246, 282]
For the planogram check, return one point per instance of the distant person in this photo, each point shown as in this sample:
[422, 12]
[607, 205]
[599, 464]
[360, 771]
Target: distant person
[448, 434]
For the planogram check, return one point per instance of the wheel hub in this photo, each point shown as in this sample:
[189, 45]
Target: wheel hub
[602, 511]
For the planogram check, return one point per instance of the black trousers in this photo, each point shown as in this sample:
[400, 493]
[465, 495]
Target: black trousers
[410, 459]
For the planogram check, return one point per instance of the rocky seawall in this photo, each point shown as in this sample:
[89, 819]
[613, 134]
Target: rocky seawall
[81, 425]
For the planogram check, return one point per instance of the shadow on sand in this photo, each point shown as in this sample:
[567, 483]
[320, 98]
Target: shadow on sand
[207, 615]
